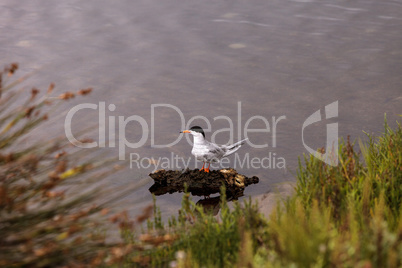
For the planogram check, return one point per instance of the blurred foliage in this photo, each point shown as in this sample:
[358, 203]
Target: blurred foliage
[51, 214]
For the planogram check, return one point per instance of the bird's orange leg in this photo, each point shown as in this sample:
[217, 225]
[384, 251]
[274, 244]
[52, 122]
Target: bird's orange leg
[207, 169]
[203, 169]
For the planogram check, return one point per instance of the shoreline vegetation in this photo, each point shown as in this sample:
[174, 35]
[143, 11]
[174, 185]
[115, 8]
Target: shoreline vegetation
[343, 216]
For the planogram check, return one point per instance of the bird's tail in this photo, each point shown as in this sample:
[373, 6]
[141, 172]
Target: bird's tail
[234, 147]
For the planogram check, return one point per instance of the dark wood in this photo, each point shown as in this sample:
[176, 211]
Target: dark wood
[199, 182]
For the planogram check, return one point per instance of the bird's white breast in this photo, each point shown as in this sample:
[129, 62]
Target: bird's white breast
[200, 148]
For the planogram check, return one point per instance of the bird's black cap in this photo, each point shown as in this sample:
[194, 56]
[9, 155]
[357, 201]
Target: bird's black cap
[198, 129]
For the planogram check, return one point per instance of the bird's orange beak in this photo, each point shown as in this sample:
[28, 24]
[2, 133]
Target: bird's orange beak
[185, 131]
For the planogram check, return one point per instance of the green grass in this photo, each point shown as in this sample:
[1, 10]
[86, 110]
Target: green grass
[344, 216]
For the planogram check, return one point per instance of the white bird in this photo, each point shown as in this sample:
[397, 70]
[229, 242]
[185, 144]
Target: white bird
[209, 152]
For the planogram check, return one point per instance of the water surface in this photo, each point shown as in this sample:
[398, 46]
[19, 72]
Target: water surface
[273, 58]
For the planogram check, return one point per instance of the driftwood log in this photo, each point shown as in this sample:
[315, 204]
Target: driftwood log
[200, 183]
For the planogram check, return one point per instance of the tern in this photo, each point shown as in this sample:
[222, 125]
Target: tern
[207, 151]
